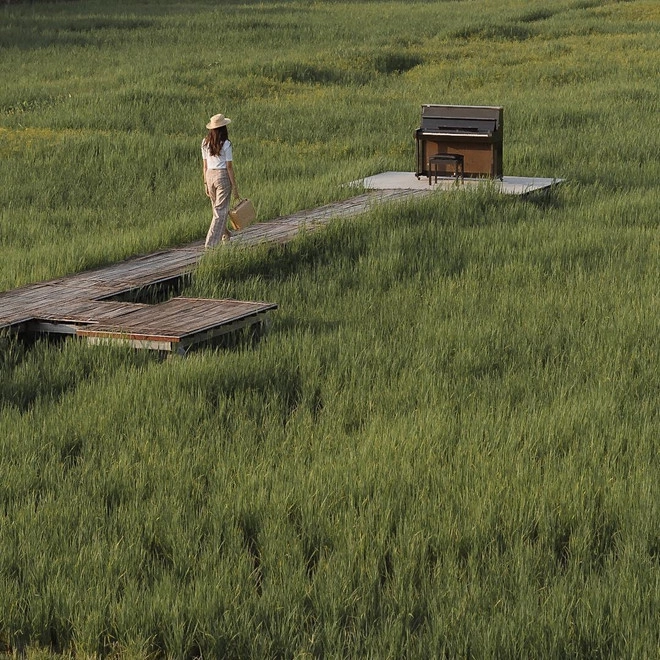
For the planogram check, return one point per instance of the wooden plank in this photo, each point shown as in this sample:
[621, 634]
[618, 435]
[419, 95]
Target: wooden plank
[176, 319]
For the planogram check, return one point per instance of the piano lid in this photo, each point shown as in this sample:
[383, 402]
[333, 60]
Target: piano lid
[468, 118]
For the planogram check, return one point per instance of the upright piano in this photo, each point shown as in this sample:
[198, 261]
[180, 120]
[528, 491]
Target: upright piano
[473, 131]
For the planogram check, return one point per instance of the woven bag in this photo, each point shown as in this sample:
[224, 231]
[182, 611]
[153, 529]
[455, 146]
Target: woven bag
[242, 215]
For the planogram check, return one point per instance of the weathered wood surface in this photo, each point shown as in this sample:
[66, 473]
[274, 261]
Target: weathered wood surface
[176, 319]
[178, 323]
[84, 302]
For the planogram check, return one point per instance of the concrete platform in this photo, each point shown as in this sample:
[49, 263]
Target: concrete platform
[509, 185]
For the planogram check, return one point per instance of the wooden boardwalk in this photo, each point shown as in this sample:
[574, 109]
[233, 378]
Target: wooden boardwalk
[286, 228]
[86, 304]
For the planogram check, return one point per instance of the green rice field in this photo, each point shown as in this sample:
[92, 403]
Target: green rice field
[445, 444]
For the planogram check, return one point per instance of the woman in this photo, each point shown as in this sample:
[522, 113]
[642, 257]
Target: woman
[219, 180]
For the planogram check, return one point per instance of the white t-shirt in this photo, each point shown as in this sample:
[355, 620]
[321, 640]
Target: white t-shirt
[217, 162]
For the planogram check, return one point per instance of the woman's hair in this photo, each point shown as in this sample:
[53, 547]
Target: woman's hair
[215, 139]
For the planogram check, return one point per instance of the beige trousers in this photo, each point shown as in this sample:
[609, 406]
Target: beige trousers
[219, 187]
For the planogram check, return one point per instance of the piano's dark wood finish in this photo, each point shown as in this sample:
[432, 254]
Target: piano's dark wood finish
[474, 131]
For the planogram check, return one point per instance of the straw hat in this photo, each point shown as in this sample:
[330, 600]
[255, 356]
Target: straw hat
[217, 121]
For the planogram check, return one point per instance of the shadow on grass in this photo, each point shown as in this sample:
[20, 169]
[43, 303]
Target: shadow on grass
[544, 200]
[47, 368]
[306, 253]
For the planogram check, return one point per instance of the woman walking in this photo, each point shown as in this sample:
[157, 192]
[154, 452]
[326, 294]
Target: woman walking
[219, 179]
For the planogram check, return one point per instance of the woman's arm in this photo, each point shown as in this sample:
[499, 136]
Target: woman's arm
[232, 178]
[206, 188]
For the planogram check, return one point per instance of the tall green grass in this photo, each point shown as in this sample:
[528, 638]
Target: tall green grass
[459, 460]
[444, 445]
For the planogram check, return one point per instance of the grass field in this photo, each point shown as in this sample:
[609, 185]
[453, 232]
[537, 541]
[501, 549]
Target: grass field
[445, 445]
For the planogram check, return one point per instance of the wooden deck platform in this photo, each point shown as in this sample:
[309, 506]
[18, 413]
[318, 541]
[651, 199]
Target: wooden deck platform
[177, 324]
[86, 304]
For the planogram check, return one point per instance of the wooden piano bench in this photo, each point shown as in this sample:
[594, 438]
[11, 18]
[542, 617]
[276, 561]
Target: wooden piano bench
[438, 159]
